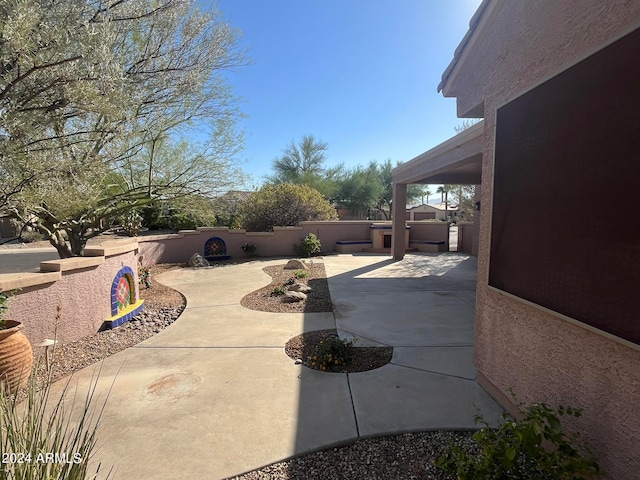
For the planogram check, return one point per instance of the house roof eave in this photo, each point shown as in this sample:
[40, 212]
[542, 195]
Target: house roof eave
[475, 26]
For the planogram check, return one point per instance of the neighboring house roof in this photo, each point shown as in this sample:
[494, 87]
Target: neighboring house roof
[434, 206]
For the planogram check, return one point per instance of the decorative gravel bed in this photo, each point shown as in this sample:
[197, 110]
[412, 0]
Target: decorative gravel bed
[398, 457]
[302, 347]
[318, 299]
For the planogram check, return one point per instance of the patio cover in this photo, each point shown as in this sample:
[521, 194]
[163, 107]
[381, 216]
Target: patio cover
[456, 161]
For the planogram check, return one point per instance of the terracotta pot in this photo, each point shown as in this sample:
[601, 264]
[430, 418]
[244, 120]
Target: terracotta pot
[16, 357]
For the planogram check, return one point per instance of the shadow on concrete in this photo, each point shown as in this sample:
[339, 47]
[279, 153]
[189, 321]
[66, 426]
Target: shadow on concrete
[423, 307]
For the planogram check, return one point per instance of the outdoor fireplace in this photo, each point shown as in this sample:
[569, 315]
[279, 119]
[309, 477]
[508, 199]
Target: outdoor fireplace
[381, 236]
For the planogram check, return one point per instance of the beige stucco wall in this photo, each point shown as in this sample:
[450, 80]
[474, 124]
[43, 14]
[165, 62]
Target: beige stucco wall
[84, 295]
[539, 355]
[178, 248]
[466, 240]
[433, 231]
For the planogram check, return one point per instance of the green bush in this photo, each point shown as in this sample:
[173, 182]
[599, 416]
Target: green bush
[331, 353]
[152, 217]
[277, 291]
[532, 448]
[301, 273]
[309, 246]
[4, 307]
[144, 276]
[284, 205]
[249, 249]
[31, 236]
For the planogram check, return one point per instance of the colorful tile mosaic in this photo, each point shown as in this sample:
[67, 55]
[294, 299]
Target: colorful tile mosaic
[123, 293]
[124, 304]
[123, 290]
[216, 249]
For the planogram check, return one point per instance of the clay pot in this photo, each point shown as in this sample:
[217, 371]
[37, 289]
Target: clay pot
[16, 357]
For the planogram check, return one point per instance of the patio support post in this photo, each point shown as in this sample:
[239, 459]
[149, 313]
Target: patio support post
[398, 223]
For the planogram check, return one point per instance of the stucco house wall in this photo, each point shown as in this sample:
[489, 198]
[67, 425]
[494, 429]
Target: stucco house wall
[540, 355]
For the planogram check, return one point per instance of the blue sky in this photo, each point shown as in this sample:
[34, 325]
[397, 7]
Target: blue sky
[360, 75]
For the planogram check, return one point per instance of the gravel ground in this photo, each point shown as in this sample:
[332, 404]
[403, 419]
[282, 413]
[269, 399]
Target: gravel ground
[318, 299]
[398, 457]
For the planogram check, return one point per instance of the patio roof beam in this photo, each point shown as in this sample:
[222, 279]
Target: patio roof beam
[453, 179]
[461, 154]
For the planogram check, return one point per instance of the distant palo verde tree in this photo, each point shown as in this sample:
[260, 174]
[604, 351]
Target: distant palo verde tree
[304, 164]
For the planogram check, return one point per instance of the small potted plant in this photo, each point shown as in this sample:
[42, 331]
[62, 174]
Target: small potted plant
[16, 355]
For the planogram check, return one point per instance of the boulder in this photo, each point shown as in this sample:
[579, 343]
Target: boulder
[198, 260]
[292, 297]
[299, 287]
[296, 264]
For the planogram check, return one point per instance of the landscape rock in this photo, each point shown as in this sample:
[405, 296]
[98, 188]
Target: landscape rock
[295, 264]
[292, 297]
[299, 287]
[198, 260]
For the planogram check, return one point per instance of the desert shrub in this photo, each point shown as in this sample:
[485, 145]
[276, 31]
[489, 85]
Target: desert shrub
[144, 276]
[301, 273]
[309, 246]
[331, 353]
[152, 216]
[184, 213]
[284, 205]
[277, 291]
[249, 249]
[31, 236]
[532, 448]
[29, 432]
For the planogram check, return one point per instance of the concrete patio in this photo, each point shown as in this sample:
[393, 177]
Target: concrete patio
[214, 395]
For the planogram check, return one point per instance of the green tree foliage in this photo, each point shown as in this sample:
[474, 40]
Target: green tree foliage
[284, 204]
[464, 197]
[385, 201]
[181, 213]
[360, 190]
[227, 208]
[371, 188]
[304, 164]
[466, 123]
[92, 93]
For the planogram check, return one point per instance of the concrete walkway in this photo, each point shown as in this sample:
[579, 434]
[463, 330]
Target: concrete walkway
[214, 395]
